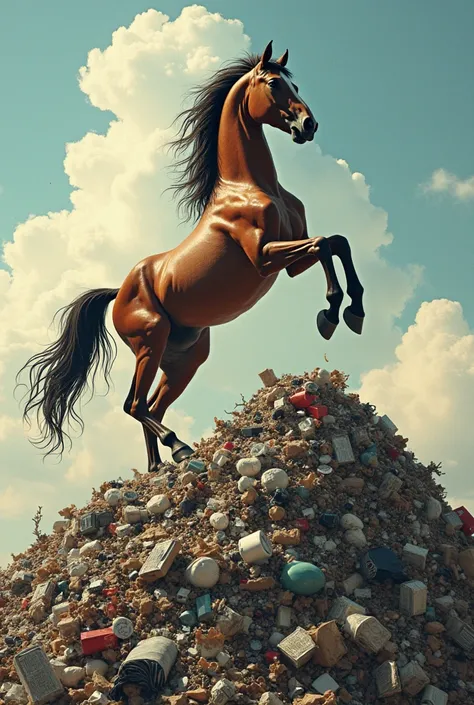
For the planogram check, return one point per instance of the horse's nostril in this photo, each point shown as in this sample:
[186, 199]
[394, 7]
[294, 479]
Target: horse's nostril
[308, 124]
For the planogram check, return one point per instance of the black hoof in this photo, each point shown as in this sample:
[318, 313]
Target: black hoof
[181, 452]
[352, 321]
[325, 327]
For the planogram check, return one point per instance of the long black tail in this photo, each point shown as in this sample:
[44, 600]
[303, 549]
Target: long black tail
[58, 375]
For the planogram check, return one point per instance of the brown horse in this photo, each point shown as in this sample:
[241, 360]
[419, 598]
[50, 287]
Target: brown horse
[250, 229]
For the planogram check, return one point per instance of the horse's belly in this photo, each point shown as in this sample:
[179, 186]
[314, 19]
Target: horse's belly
[210, 283]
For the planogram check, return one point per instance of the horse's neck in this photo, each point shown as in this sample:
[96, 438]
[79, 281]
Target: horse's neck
[243, 152]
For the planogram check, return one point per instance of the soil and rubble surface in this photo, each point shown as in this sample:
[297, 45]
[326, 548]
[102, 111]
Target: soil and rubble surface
[357, 590]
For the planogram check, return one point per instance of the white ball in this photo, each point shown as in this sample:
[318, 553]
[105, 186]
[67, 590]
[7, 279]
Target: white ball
[219, 521]
[72, 676]
[96, 666]
[203, 572]
[89, 548]
[113, 497]
[248, 467]
[245, 482]
[274, 479]
[356, 537]
[158, 504]
[350, 521]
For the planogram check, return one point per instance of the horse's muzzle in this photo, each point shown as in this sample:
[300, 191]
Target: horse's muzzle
[303, 129]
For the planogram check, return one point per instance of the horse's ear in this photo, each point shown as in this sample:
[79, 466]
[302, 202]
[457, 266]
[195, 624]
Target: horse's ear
[267, 54]
[283, 60]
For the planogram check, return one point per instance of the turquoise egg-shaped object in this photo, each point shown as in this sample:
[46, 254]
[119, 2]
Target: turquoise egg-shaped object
[302, 578]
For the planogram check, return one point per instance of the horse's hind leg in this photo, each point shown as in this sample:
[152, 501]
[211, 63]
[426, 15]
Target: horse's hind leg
[328, 319]
[144, 324]
[151, 443]
[178, 370]
[353, 314]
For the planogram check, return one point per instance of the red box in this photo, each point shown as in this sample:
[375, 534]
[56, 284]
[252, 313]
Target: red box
[228, 446]
[98, 640]
[317, 412]
[467, 520]
[301, 400]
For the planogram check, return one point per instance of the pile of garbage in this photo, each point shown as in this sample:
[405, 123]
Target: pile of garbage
[302, 555]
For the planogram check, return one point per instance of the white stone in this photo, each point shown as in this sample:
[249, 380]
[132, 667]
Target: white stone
[61, 525]
[245, 483]
[98, 698]
[219, 521]
[58, 666]
[222, 658]
[353, 582]
[77, 570]
[90, 548]
[72, 676]
[158, 504]
[113, 497]
[433, 509]
[123, 530]
[325, 459]
[73, 555]
[249, 467]
[16, 694]
[96, 665]
[350, 521]
[274, 479]
[269, 698]
[203, 572]
[355, 537]
[330, 546]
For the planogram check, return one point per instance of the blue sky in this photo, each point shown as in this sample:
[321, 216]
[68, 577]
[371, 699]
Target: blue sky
[390, 84]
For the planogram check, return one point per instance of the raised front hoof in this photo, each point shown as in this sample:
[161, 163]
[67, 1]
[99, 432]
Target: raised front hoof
[355, 323]
[325, 326]
[181, 452]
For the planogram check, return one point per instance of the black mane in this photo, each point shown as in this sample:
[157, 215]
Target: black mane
[197, 171]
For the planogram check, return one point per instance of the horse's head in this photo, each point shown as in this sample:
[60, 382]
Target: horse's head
[272, 99]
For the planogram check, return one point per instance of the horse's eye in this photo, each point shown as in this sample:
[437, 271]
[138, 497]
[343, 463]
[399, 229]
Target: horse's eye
[273, 83]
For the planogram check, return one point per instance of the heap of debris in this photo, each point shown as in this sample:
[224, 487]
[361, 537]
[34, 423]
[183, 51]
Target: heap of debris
[302, 555]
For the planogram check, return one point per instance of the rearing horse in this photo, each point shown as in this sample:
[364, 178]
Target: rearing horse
[250, 229]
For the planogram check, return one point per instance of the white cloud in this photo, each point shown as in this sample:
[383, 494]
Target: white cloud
[429, 392]
[444, 181]
[119, 216]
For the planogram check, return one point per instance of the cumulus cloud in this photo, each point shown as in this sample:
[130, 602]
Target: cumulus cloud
[443, 181]
[118, 215]
[429, 392]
